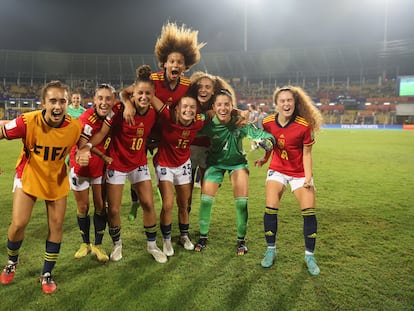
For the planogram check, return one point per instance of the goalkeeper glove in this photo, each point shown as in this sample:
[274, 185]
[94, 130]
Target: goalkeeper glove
[266, 143]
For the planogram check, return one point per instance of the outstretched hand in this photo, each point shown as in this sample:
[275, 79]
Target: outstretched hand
[260, 162]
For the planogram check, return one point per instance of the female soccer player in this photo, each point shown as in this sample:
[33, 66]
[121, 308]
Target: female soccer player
[226, 154]
[177, 50]
[83, 177]
[48, 136]
[203, 87]
[293, 127]
[128, 158]
[173, 165]
[75, 109]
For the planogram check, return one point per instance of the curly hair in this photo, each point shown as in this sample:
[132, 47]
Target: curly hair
[219, 84]
[178, 39]
[143, 74]
[304, 106]
[193, 89]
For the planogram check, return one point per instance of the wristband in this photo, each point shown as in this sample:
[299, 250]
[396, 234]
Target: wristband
[89, 145]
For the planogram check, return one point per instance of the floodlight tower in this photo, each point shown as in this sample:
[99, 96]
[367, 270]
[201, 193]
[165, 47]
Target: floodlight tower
[245, 25]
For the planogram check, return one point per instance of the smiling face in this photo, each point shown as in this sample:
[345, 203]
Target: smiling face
[55, 103]
[104, 100]
[174, 66]
[76, 100]
[285, 104]
[223, 106]
[143, 95]
[205, 91]
[186, 110]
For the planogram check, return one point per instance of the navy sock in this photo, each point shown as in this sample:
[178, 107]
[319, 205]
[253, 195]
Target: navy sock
[151, 233]
[115, 233]
[99, 221]
[310, 226]
[51, 256]
[166, 231]
[184, 228]
[13, 250]
[270, 225]
[84, 223]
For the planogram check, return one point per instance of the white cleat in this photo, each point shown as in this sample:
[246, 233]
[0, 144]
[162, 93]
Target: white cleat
[116, 253]
[158, 255]
[167, 247]
[186, 242]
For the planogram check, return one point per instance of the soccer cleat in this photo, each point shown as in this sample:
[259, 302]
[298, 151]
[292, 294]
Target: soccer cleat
[48, 285]
[157, 254]
[167, 247]
[186, 242]
[7, 275]
[133, 212]
[83, 250]
[116, 253]
[269, 258]
[201, 244]
[241, 247]
[99, 253]
[310, 262]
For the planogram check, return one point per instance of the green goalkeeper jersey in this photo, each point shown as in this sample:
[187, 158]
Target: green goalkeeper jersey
[226, 150]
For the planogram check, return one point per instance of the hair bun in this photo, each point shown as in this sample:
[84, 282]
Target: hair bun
[144, 73]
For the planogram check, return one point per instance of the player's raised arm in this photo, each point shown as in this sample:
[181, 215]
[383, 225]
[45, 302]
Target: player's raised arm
[129, 111]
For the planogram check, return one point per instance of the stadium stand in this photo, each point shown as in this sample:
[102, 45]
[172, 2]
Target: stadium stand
[342, 80]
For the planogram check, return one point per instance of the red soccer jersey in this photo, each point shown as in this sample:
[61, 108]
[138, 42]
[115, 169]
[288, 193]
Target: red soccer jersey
[287, 155]
[128, 142]
[168, 96]
[91, 124]
[174, 147]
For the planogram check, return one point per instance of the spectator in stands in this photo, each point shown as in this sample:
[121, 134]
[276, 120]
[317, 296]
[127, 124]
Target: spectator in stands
[43, 176]
[293, 126]
[260, 117]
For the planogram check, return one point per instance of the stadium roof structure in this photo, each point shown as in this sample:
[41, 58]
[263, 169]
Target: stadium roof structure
[370, 60]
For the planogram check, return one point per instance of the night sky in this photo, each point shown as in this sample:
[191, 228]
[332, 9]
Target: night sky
[132, 26]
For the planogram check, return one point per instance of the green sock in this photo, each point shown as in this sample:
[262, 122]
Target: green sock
[242, 216]
[205, 213]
